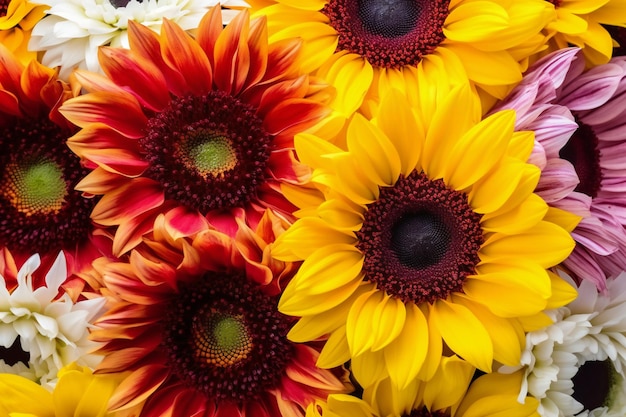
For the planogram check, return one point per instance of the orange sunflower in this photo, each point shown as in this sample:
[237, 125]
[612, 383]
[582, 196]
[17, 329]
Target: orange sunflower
[195, 321]
[40, 210]
[204, 123]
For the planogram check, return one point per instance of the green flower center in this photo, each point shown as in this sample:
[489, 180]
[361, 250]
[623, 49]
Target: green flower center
[35, 187]
[221, 339]
[210, 153]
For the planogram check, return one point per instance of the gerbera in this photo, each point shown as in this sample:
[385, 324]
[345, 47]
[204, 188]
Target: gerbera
[17, 18]
[40, 210]
[41, 328]
[201, 332]
[203, 123]
[73, 30]
[426, 234]
[580, 130]
[580, 23]
[370, 46]
[577, 366]
[489, 395]
[78, 393]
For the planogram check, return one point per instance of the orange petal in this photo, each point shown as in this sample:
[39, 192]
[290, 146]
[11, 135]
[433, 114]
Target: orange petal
[138, 386]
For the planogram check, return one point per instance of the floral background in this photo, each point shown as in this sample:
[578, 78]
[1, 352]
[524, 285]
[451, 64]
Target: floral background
[313, 208]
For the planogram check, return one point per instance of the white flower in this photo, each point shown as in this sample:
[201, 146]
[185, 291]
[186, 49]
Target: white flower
[591, 328]
[52, 329]
[72, 31]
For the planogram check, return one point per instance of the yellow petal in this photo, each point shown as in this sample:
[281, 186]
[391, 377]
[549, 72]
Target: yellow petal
[449, 384]
[335, 351]
[351, 76]
[463, 333]
[405, 355]
[562, 292]
[361, 326]
[474, 21]
[369, 368]
[21, 395]
[520, 218]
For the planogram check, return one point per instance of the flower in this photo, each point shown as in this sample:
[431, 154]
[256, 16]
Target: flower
[17, 18]
[41, 328]
[40, 210]
[365, 48]
[489, 395]
[203, 333]
[580, 23]
[78, 393]
[576, 366]
[210, 126]
[426, 232]
[73, 30]
[580, 146]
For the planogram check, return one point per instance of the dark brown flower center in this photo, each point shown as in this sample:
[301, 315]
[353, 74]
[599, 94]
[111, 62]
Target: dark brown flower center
[593, 383]
[582, 151]
[4, 7]
[208, 152]
[420, 239]
[388, 33]
[14, 353]
[226, 339]
[619, 34]
[39, 209]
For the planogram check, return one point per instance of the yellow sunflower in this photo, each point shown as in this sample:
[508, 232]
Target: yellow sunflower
[17, 19]
[422, 234]
[580, 23]
[363, 48]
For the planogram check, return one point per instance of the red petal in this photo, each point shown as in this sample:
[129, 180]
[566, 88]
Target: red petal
[231, 54]
[138, 386]
[136, 197]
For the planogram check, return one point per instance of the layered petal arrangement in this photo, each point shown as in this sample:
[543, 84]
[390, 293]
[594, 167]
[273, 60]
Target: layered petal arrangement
[578, 119]
[202, 335]
[421, 242]
[363, 48]
[17, 19]
[73, 30]
[206, 124]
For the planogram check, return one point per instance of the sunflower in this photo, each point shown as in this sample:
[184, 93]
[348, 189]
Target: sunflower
[578, 119]
[577, 365]
[17, 18]
[489, 395]
[41, 211]
[422, 234]
[582, 23]
[363, 48]
[203, 123]
[42, 328]
[73, 30]
[195, 321]
[78, 393]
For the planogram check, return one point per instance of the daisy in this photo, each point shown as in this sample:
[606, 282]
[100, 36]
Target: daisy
[577, 366]
[580, 129]
[17, 18]
[24, 397]
[41, 328]
[209, 127]
[490, 395]
[41, 211]
[581, 23]
[73, 30]
[364, 48]
[425, 234]
[202, 335]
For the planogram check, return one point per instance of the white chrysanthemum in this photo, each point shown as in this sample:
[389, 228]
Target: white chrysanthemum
[52, 329]
[72, 31]
[591, 328]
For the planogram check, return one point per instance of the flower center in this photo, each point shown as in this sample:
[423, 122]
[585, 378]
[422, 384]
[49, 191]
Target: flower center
[582, 151]
[388, 33]
[122, 3]
[619, 34]
[420, 239]
[40, 209]
[14, 353]
[4, 7]
[208, 152]
[226, 338]
[35, 186]
[220, 339]
[593, 383]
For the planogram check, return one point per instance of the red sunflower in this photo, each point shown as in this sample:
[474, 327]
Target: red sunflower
[40, 210]
[203, 123]
[195, 321]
